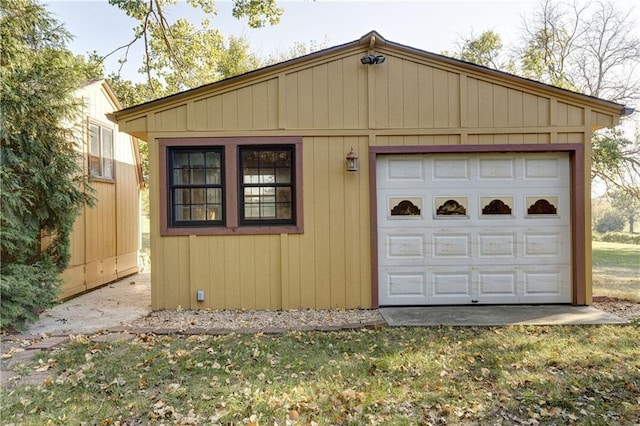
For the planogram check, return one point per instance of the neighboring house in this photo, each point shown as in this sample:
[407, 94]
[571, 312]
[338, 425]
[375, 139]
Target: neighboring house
[106, 237]
[473, 185]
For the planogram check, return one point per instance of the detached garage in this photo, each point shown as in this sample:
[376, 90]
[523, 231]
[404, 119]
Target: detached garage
[369, 174]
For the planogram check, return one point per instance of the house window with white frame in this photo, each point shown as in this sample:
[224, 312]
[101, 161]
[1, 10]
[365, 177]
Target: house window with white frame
[100, 151]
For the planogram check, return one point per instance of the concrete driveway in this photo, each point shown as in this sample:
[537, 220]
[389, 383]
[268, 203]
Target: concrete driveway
[497, 315]
[113, 305]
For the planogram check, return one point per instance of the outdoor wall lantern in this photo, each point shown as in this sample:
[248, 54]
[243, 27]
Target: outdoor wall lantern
[352, 161]
[372, 59]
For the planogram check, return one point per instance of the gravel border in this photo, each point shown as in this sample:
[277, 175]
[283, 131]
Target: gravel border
[217, 322]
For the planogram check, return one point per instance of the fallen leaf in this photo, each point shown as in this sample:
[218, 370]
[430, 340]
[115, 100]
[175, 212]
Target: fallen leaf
[293, 415]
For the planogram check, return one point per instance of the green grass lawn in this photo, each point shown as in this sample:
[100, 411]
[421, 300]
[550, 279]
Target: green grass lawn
[395, 376]
[392, 376]
[616, 270]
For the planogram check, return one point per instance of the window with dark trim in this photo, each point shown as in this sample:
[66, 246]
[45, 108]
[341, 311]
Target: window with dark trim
[231, 185]
[266, 185]
[100, 151]
[196, 186]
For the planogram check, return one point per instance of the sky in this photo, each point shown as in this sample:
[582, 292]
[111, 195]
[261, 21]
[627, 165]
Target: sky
[428, 25]
[431, 25]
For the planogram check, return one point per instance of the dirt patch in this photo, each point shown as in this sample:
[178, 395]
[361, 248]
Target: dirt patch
[620, 307]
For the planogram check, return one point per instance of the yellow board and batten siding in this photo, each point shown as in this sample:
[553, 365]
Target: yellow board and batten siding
[106, 237]
[335, 103]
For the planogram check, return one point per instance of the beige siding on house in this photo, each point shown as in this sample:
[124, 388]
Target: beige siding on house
[336, 103]
[105, 238]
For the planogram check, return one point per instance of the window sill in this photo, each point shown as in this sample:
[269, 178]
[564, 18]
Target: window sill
[241, 230]
[101, 179]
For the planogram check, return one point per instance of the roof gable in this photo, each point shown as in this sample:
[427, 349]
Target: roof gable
[336, 89]
[370, 42]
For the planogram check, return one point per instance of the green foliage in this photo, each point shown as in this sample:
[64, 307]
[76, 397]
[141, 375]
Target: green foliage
[180, 56]
[197, 56]
[42, 185]
[617, 237]
[485, 50]
[258, 12]
[616, 162]
[628, 204]
[611, 221]
[26, 290]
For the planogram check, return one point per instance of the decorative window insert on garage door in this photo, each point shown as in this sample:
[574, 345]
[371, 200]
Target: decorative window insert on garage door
[466, 228]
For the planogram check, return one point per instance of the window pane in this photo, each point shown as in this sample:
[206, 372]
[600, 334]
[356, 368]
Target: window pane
[197, 176]
[213, 213]
[196, 159]
[214, 196]
[283, 159]
[268, 211]
[251, 175]
[267, 176]
[182, 196]
[283, 175]
[252, 211]
[250, 158]
[180, 159]
[268, 159]
[283, 195]
[268, 191]
[198, 213]
[107, 153]
[213, 176]
[197, 196]
[213, 159]
[183, 213]
[283, 199]
[284, 211]
[95, 165]
[181, 176]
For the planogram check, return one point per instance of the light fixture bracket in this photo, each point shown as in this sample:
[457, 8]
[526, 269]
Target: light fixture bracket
[372, 59]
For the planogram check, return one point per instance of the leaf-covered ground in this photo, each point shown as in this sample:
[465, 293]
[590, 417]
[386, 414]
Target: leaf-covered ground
[513, 375]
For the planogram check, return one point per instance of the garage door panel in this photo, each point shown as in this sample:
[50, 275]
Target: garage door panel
[405, 246]
[451, 169]
[450, 286]
[405, 286]
[542, 245]
[450, 246]
[479, 235]
[542, 169]
[549, 286]
[503, 283]
[497, 245]
[400, 171]
[493, 169]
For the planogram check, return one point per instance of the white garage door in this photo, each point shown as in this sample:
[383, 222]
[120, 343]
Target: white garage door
[476, 228]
